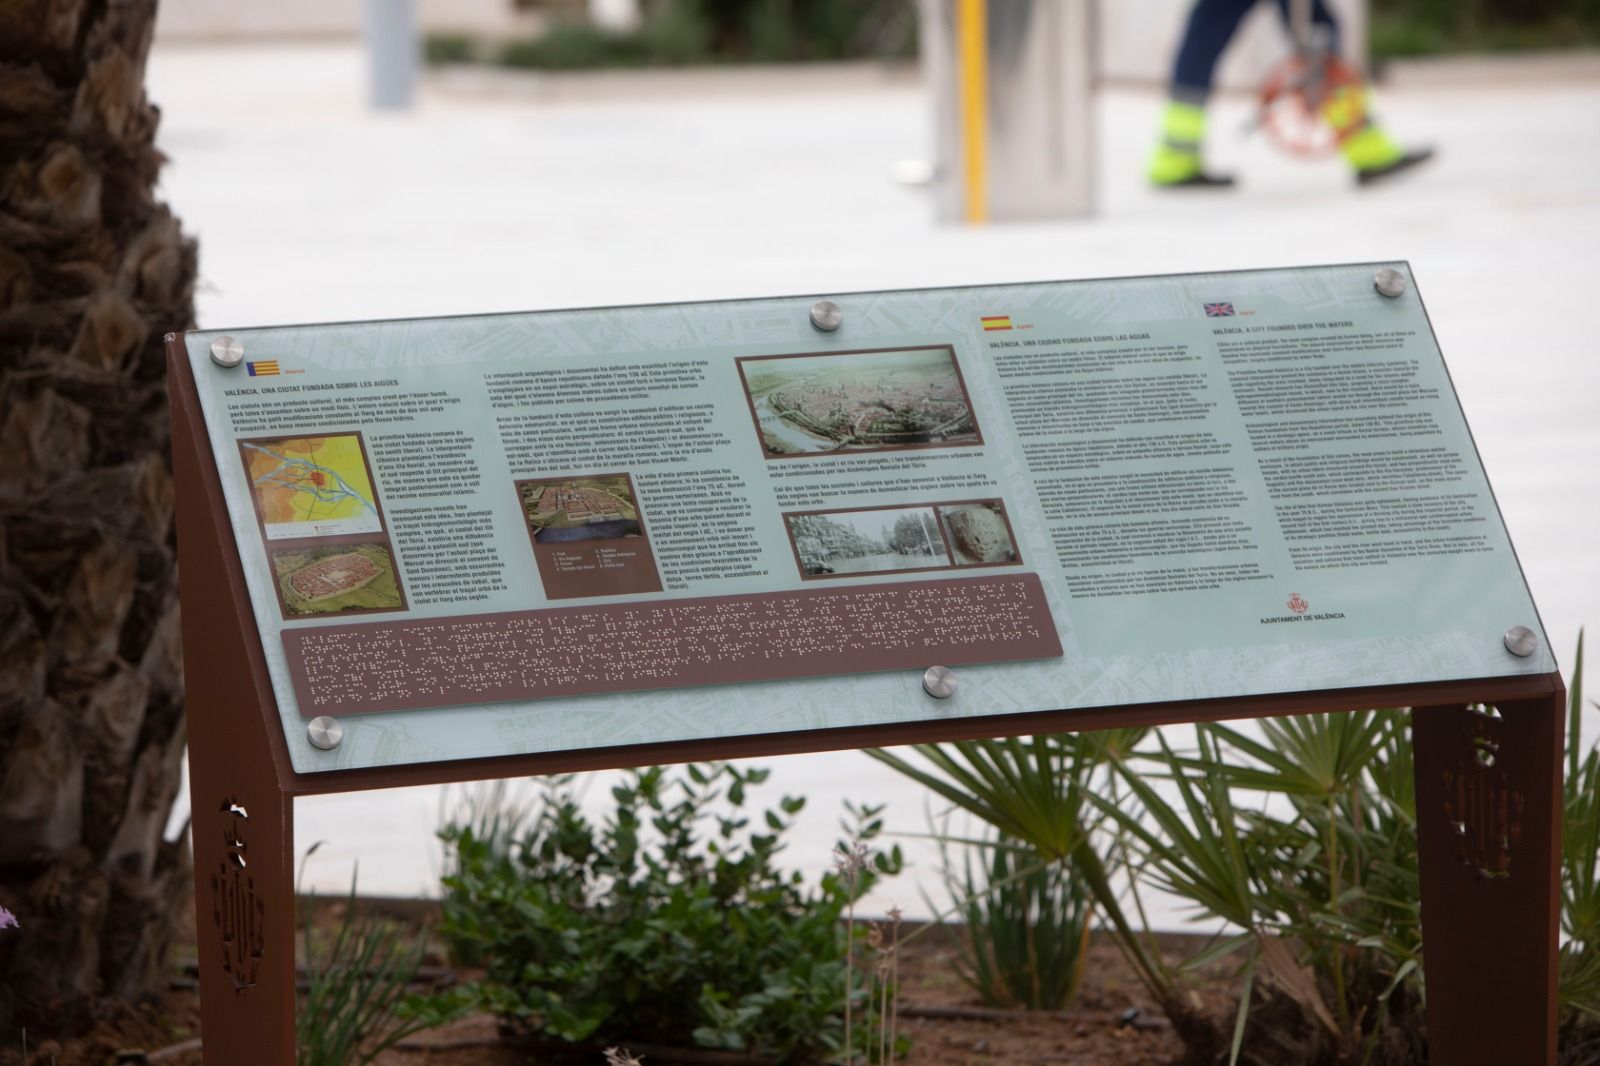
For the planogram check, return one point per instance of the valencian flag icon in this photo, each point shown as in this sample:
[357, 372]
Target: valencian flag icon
[1219, 311]
[264, 369]
[996, 322]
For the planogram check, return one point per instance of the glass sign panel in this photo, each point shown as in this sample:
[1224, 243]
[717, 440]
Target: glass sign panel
[532, 533]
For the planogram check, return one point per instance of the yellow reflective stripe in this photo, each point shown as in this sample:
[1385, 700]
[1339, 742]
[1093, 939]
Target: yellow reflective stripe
[1184, 123]
[972, 17]
[1346, 109]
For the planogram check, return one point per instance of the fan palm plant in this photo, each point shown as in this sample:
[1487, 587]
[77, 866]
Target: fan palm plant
[1580, 886]
[1038, 792]
[1299, 840]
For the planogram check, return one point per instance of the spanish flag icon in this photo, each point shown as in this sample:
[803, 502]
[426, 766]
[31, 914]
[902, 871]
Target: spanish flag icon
[266, 368]
[995, 322]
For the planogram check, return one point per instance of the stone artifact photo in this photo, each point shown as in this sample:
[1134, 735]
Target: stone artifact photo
[979, 533]
[859, 401]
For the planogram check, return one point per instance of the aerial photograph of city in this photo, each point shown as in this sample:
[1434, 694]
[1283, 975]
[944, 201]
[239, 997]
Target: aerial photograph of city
[868, 542]
[336, 579]
[571, 509]
[859, 401]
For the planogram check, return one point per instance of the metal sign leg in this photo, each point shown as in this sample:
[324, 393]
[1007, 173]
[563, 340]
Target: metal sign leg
[244, 899]
[242, 821]
[1489, 830]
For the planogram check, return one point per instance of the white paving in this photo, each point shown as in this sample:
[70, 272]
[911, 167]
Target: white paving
[520, 193]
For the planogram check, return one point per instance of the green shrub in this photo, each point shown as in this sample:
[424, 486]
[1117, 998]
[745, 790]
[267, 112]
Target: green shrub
[672, 38]
[493, 816]
[669, 922]
[1426, 27]
[439, 49]
[676, 36]
[681, 32]
[572, 45]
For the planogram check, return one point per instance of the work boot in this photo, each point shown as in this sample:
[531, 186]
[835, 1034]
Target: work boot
[1371, 152]
[1405, 161]
[1176, 163]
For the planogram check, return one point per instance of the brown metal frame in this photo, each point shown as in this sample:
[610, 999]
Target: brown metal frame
[1488, 803]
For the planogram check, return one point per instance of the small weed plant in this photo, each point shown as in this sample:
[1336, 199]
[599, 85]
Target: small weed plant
[669, 922]
[1025, 920]
[358, 1001]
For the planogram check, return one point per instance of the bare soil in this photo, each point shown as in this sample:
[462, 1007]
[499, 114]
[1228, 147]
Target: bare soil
[947, 1023]
[1112, 1023]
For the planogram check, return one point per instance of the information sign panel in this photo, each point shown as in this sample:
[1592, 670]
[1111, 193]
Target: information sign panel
[566, 530]
[455, 549]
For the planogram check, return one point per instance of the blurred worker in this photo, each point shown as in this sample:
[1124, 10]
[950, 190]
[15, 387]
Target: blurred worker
[1212, 24]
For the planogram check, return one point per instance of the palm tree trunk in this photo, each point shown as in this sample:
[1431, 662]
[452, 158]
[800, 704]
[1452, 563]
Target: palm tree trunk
[93, 270]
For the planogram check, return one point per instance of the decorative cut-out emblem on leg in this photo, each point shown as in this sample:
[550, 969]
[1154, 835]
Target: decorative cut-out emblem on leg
[238, 913]
[1485, 812]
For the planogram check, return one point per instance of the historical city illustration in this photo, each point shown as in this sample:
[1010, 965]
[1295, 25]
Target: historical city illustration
[311, 486]
[859, 401]
[978, 532]
[576, 509]
[868, 542]
[336, 579]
